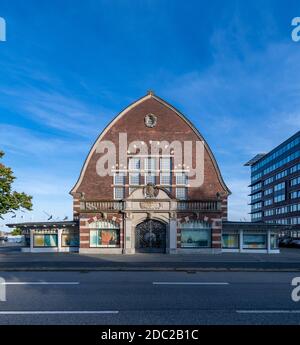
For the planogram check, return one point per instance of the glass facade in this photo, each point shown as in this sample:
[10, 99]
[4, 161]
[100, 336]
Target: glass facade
[230, 241]
[195, 235]
[104, 234]
[255, 241]
[45, 240]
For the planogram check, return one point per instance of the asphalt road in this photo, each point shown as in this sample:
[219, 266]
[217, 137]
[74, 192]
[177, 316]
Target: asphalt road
[149, 298]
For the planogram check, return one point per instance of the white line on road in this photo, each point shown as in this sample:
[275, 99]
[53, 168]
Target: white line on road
[55, 312]
[190, 283]
[39, 283]
[268, 311]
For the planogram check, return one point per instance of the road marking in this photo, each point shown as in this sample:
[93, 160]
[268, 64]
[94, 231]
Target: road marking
[268, 311]
[190, 283]
[40, 283]
[55, 312]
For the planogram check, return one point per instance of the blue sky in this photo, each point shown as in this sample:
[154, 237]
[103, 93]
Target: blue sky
[68, 67]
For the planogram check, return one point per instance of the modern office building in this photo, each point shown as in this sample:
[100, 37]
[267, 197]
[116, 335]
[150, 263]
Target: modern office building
[150, 183]
[275, 184]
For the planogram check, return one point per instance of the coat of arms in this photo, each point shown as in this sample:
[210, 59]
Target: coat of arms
[150, 191]
[150, 120]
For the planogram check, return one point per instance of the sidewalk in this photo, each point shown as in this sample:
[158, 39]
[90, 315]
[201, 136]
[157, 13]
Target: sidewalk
[11, 259]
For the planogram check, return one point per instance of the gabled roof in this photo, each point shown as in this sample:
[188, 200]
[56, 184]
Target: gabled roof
[149, 95]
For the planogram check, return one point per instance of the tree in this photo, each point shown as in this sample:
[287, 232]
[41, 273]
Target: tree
[10, 200]
[16, 232]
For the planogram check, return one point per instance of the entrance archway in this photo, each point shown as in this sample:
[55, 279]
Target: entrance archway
[150, 237]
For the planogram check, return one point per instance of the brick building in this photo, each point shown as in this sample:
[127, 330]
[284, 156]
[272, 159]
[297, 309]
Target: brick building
[118, 214]
[150, 183]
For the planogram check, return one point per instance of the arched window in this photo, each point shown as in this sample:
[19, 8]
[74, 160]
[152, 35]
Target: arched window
[195, 234]
[104, 234]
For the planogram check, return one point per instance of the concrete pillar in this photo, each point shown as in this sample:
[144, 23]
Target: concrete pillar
[59, 233]
[172, 236]
[269, 241]
[241, 240]
[31, 239]
[128, 249]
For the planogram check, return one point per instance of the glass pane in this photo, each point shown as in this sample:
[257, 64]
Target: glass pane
[195, 238]
[119, 192]
[38, 241]
[109, 238]
[50, 240]
[70, 240]
[150, 164]
[134, 163]
[94, 238]
[149, 178]
[274, 241]
[165, 163]
[165, 179]
[230, 241]
[181, 193]
[255, 241]
[134, 178]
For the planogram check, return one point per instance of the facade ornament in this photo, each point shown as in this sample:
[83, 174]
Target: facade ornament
[150, 120]
[150, 191]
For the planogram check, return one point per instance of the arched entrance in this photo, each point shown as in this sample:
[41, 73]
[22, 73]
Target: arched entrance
[150, 237]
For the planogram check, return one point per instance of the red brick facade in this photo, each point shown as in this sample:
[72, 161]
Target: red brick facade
[171, 126]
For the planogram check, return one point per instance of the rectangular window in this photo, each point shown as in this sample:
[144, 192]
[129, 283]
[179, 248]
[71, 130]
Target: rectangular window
[181, 193]
[279, 198]
[269, 180]
[279, 186]
[230, 241]
[119, 193]
[274, 241]
[134, 163]
[256, 196]
[268, 202]
[282, 174]
[295, 195]
[150, 178]
[195, 238]
[295, 168]
[45, 240]
[181, 178]
[256, 216]
[134, 179]
[295, 181]
[268, 191]
[105, 238]
[150, 164]
[269, 213]
[70, 239]
[256, 206]
[256, 187]
[254, 241]
[165, 164]
[165, 179]
[119, 178]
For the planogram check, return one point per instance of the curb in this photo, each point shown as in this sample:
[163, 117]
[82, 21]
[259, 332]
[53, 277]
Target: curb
[145, 269]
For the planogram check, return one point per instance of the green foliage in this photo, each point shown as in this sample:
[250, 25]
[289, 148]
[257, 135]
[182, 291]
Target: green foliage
[16, 232]
[10, 200]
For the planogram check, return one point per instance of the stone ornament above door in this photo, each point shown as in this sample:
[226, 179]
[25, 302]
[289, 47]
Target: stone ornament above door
[150, 191]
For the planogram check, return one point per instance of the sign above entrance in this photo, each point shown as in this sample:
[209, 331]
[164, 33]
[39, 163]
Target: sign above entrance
[150, 205]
